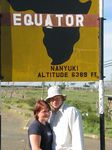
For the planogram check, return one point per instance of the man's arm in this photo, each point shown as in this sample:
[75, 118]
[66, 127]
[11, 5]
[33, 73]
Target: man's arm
[76, 129]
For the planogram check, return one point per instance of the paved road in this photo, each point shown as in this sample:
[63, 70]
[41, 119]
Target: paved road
[14, 137]
[94, 144]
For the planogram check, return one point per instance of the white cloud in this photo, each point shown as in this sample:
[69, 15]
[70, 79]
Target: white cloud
[108, 8]
[108, 40]
[108, 37]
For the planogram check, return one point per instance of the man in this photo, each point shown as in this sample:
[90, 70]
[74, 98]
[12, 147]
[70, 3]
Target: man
[65, 121]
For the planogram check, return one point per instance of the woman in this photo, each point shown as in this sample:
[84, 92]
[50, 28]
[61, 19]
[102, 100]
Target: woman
[39, 132]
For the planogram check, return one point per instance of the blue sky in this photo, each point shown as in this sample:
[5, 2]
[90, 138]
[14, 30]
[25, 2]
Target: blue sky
[108, 37]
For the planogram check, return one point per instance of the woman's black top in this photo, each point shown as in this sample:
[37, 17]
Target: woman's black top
[44, 131]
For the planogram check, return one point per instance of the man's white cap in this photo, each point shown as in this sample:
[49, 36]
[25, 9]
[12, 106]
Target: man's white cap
[54, 91]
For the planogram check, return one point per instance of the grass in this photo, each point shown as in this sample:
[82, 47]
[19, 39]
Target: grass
[85, 100]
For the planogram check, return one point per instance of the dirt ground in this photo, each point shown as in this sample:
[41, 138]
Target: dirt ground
[14, 136]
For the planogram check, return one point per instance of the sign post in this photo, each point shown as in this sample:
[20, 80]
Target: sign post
[101, 81]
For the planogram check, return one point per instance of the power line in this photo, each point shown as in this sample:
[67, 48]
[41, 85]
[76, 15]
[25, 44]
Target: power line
[109, 65]
[108, 61]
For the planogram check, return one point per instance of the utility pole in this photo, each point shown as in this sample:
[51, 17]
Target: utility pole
[101, 77]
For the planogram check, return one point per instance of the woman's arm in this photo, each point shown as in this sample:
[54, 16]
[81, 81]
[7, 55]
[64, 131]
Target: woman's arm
[35, 141]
